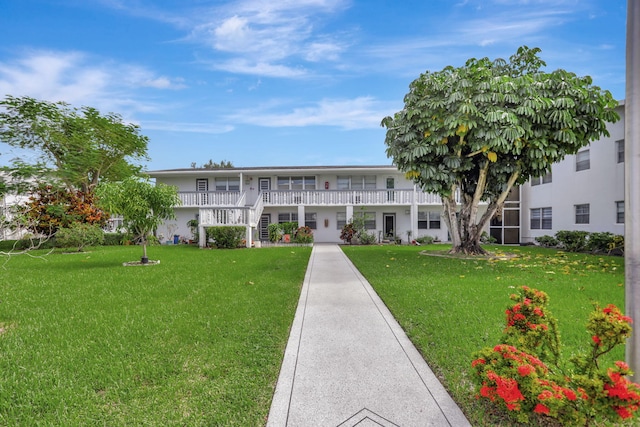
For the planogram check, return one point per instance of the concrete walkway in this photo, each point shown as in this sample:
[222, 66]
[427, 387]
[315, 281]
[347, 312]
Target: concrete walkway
[348, 362]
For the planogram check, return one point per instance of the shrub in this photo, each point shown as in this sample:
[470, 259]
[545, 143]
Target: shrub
[599, 241]
[572, 241]
[275, 232]
[425, 240]
[367, 238]
[547, 241]
[78, 235]
[487, 239]
[228, 237]
[289, 227]
[605, 242]
[524, 375]
[348, 232]
[114, 239]
[303, 235]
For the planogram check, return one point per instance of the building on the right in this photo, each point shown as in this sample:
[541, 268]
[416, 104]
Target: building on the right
[583, 192]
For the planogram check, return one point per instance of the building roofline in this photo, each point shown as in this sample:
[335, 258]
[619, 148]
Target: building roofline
[267, 169]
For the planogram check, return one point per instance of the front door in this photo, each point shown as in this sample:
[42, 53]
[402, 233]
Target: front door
[389, 221]
[264, 186]
[265, 220]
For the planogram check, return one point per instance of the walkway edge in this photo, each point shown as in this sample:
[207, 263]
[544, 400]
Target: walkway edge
[279, 412]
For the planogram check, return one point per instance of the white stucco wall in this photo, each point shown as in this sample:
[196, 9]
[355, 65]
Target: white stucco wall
[600, 186]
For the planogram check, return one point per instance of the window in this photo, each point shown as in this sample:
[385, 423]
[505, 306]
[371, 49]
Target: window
[341, 219]
[428, 220]
[582, 214]
[546, 218]
[620, 150]
[544, 179]
[582, 161]
[296, 183]
[369, 219]
[287, 217]
[359, 182]
[311, 220]
[620, 212]
[228, 184]
[541, 218]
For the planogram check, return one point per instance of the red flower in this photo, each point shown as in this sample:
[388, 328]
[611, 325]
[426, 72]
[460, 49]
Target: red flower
[620, 364]
[541, 409]
[538, 311]
[525, 370]
[546, 394]
[478, 362]
[570, 394]
[596, 339]
[623, 412]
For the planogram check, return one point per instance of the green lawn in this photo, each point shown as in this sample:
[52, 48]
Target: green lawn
[195, 340]
[199, 338]
[453, 307]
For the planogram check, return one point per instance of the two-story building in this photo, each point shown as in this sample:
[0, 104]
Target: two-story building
[583, 192]
[323, 198]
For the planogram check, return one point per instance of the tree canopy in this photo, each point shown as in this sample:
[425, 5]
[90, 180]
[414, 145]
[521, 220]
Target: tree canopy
[224, 164]
[143, 205]
[478, 130]
[81, 146]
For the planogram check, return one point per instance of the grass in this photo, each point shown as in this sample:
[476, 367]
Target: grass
[451, 307]
[195, 340]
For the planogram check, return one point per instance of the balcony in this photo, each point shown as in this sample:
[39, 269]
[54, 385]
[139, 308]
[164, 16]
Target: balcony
[195, 199]
[309, 198]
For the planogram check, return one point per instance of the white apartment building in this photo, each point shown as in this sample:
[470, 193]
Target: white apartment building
[323, 198]
[583, 192]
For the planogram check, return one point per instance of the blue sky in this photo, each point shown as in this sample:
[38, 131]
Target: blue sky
[280, 82]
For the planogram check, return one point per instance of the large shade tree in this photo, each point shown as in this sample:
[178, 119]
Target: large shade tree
[81, 146]
[472, 133]
[143, 205]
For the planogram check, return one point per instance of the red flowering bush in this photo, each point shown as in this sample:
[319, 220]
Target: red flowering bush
[530, 325]
[523, 376]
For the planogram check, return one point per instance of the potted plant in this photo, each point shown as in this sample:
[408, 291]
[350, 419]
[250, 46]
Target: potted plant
[289, 229]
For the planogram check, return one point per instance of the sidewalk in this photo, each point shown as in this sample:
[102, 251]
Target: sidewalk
[349, 363]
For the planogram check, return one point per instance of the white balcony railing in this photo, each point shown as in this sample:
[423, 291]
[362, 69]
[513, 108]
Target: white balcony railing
[210, 198]
[236, 199]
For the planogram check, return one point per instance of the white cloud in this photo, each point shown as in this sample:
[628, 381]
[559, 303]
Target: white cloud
[80, 79]
[244, 66]
[357, 113]
[186, 127]
[265, 38]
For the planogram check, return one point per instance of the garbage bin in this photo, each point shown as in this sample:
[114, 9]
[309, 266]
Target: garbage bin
[176, 239]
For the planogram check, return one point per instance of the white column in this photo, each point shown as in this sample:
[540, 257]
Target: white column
[248, 236]
[202, 237]
[632, 183]
[349, 213]
[301, 222]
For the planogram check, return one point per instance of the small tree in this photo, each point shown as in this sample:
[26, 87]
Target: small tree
[481, 129]
[143, 205]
